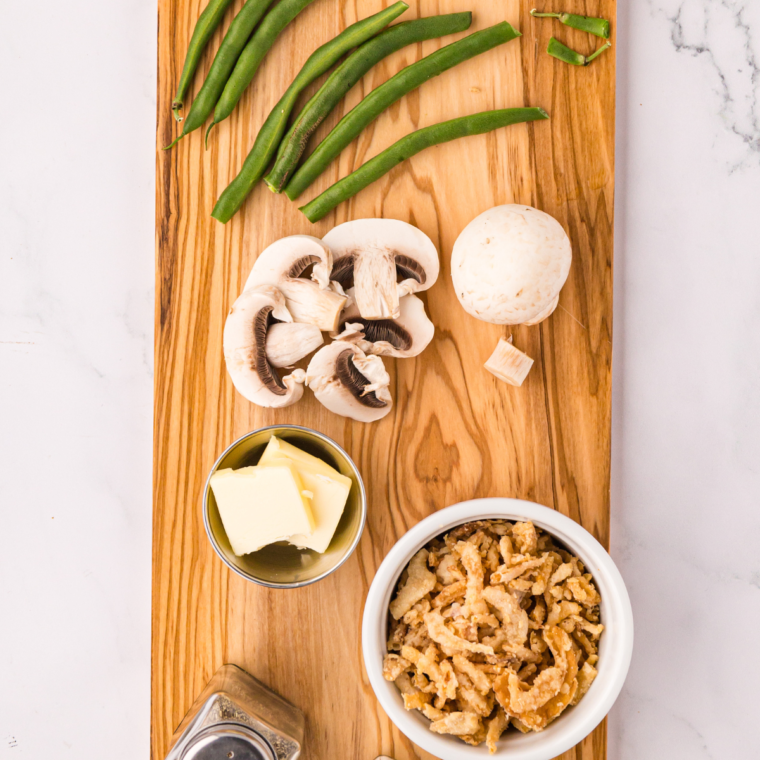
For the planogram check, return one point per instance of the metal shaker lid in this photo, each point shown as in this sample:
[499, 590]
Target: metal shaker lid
[228, 741]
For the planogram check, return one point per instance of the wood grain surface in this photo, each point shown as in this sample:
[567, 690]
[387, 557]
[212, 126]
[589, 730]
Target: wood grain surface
[455, 432]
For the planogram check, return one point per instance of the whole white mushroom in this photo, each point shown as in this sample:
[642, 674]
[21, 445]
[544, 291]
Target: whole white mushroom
[509, 264]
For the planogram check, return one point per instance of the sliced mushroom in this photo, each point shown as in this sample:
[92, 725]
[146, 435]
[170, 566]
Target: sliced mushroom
[245, 335]
[383, 260]
[289, 342]
[350, 383]
[406, 336]
[299, 266]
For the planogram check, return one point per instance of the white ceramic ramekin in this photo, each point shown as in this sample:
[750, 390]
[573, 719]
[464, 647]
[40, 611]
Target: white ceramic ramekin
[615, 648]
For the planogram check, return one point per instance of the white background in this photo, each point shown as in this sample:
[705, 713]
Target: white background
[77, 84]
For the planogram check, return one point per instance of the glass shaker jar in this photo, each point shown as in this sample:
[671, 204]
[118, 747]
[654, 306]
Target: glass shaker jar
[238, 717]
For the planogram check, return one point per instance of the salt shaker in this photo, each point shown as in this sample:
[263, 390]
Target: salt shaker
[238, 717]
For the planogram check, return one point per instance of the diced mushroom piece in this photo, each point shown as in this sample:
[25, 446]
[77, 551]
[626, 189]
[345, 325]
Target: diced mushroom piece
[408, 335]
[509, 363]
[245, 335]
[289, 342]
[383, 260]
[350, 383]
[299, 266]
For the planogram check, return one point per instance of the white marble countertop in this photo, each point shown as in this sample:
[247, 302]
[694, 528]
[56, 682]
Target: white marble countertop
[76, 315]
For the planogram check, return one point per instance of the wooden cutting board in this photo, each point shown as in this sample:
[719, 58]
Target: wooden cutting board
[455, 432]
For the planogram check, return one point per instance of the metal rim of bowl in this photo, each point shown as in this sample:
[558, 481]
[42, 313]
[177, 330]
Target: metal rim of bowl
[296, 584]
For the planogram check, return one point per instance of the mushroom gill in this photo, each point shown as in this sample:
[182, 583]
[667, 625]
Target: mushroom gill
[343, 271]
[376, 330]
[409, 268]
[268, 374]
[298, 267]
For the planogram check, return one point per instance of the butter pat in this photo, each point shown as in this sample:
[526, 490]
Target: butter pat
[261, 505]
[329, 489]
[279, 448]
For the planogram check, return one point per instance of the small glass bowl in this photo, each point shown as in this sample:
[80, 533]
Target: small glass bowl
[282, 565]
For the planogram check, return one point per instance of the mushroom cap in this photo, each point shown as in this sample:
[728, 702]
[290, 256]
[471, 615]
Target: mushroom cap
[386, 259]
[407, 335]
[245, 349]
[287, 257]
[350, 383]
[509, 264]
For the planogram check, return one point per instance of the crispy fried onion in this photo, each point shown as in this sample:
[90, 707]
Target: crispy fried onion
[437, 630]
[419, 583]
[457, 723]
[493, 625]
[496, 727]
[473, 596]
[514, 619]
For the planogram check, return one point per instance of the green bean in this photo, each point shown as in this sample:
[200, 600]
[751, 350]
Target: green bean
[346, 76]
[206, 25]
[395, 88]
[224, 62]
[566, 55]
[409, 146]
[598, 26]
[274, 127]
[253, 54]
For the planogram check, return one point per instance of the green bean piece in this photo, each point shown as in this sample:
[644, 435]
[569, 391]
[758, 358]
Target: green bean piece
[253, 54]
[395, 88]
[206, 25]
[598, 26]
[565, 54]
[224, 62]
[409, 146]
[346, 76]
[270, 134]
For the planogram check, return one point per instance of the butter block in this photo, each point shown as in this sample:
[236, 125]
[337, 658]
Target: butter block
[329, 488]
[261, 505]
[277, 447]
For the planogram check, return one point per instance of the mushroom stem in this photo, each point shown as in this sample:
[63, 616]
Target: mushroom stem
[509, 363]
[307, 302]
[289, 342]
[375, 288]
